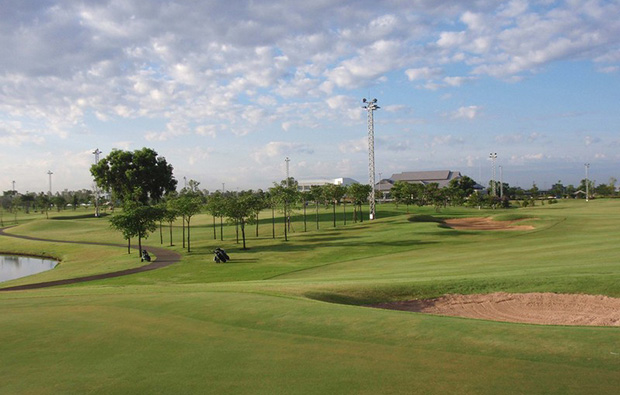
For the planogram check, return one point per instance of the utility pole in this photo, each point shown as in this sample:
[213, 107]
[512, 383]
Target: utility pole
[13, 187]
[493, 157]
[371, 106]
[587, 182]
[287, 160]
[49, 173]
[96, 152]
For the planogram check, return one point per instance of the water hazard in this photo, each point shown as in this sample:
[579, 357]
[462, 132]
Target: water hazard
[12, 267]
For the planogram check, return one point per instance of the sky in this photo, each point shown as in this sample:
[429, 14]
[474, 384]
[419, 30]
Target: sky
[225, 91]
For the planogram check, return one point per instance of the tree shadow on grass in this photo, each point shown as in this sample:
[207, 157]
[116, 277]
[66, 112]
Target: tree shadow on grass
[79, 216]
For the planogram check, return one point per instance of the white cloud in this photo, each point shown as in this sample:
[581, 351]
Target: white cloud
[469, 112]
[280, 149]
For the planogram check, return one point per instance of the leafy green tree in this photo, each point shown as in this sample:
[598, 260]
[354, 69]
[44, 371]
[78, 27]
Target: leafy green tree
[284, 195]
[188, 204]
[558, 189]
[138, 176]
[359, 193]
[136, 220]
[216, 207]
[333, 193]
[43, 202]
[242, 208]
[59, 201]
[316, 194]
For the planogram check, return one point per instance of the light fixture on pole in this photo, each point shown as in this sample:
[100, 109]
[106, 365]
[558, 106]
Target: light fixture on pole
[371, 106]
[493, 157]
[13, 187]
[96, 152]
[587, 182]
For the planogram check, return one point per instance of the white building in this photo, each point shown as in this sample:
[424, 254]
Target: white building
[305, 185]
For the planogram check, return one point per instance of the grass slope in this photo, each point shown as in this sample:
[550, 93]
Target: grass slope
[260, 324]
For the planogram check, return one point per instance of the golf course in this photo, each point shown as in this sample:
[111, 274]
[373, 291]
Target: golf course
[294, 317]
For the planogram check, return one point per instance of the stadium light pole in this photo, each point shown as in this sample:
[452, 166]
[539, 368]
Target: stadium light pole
[493, 157]
[371, 106]
[587, 165]
[49, 173]
[96, 152]
[287, 161]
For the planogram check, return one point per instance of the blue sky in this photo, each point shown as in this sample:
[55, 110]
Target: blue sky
[226, 90]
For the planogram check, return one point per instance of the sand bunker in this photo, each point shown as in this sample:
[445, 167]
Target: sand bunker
[533, 308]
[485, 224]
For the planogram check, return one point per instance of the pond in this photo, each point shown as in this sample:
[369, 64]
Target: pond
[12, 267]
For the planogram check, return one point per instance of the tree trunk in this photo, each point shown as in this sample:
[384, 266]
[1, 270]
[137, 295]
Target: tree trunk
[188, 238]
[237, 229]
[140, 246]
[285, 234]
[317, 215]
[273, 222]
[129, 246]
[161, 234]
[361, 214]
[256, 225]
[214, 231]
[221, 228]
[243, 232]
[171, 234]
[305, 203]
[344, 211]
[334, 212]
[183, 223]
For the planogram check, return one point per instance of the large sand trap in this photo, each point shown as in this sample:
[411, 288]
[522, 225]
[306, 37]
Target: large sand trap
[484, 224]
[533, 308]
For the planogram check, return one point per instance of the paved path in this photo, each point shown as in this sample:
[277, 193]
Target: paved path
[164, 258]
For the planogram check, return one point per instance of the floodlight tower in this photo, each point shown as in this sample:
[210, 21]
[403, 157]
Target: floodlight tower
[587, 182]
[13, 186]
[49, 173]
[371, 106]
[493, 157]
[287, 160]
[96, 152]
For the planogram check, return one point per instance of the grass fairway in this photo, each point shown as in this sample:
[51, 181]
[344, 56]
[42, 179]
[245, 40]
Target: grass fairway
[264, 323]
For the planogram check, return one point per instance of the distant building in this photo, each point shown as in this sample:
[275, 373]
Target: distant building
[440, 177]
[305, 185]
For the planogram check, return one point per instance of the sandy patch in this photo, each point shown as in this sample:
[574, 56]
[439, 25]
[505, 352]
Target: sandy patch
[533, 308]
[484, 224]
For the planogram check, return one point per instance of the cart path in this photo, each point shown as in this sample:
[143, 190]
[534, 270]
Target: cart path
[164, 258]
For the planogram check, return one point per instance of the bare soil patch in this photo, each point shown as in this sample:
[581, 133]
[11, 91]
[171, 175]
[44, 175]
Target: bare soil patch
[484, 224]
[534, 308]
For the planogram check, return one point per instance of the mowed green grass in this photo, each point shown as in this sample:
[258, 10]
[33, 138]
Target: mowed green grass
[262, 322]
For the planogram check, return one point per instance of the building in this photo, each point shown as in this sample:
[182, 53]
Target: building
[304, 186]
[440, 177]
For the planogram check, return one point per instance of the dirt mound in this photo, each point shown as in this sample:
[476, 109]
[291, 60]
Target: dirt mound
[484, 224]
[533, 308]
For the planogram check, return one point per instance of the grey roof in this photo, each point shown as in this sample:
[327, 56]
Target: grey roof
[441, 177]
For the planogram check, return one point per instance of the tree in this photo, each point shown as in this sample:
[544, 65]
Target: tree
[316, 193]
[333, 193]
[242, 209]
[460, 189]
[359, 193]
[284, 195]
[136, 220]
[187, 205]
[138, 176]
[43, 202]
[215, 206]
[404, 193]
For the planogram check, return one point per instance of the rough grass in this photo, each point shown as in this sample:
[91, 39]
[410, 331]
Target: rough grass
[261, 324]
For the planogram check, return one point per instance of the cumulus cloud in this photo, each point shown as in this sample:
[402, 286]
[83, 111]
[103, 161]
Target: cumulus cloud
[280, 149]
[468, 112]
